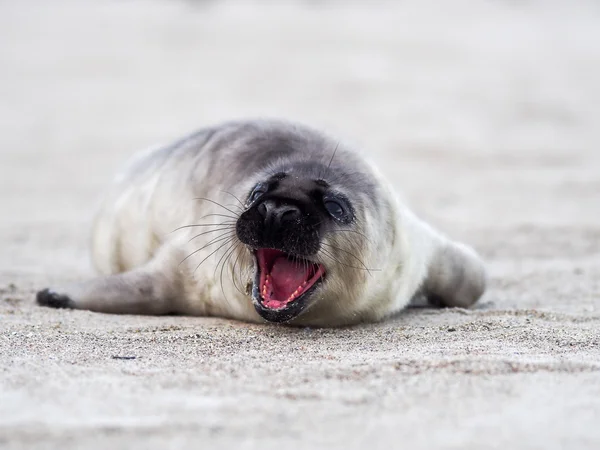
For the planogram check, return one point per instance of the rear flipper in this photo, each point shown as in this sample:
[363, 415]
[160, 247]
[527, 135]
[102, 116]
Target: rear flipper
[140, 291]
[456, 276]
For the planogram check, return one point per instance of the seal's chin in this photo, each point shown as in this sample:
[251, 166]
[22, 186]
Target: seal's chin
[283, 284]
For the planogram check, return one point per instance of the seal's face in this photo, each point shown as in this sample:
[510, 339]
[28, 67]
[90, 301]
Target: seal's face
[286, 218]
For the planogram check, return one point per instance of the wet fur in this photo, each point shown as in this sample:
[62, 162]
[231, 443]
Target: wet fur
[151, 265]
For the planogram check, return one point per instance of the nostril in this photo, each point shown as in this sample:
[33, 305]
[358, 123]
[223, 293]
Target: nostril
[288, 213]
[262, 210]
[275, 215]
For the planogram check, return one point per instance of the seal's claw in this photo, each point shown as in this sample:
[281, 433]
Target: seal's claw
[52, 299]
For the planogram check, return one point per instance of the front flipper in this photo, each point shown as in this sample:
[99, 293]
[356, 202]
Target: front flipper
[48, 297]
[456, 276]
[139, 291]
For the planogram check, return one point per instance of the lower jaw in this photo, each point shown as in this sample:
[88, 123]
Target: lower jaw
[275, 316]
[291, 311]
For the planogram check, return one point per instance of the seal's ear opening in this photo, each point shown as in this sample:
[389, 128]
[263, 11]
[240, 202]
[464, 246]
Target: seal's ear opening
[456, 276]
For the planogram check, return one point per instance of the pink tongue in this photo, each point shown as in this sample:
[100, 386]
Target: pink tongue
[287, 276]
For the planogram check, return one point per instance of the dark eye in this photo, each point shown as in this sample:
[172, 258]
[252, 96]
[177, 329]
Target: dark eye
[335, 209]
[338, 207]
[258, 191]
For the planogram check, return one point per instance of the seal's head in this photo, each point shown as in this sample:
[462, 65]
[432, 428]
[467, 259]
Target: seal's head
[306, 222]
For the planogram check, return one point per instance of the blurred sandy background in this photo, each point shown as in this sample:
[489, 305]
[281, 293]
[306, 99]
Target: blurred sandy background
[485, 114]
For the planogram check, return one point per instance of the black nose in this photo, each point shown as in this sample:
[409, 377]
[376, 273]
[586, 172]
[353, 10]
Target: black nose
[276, 216]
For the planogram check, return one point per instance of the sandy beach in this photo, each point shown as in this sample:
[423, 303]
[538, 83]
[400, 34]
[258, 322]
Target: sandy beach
[487, 118]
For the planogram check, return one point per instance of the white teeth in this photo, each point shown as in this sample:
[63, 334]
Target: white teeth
[294, 294]
[264, 289]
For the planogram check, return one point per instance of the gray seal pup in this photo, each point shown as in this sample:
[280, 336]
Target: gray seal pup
[265, 221]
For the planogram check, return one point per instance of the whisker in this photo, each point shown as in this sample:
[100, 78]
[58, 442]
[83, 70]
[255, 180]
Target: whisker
[215, 251]
[209, 231]
[322, 174]
[333, 156]
[216, 203]
[233, 270]
[219, 215]
[245, 263]
[329, 255]
[295, 257]
[238, 200]
[351, 231]
[229, 224]
[228, 252]
[305, 262]
[217, 266]
[352, 255]
[211, 242]
[321, 275]
[221, 259]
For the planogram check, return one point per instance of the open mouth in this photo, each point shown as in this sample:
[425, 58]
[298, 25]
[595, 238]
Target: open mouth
[283, 283]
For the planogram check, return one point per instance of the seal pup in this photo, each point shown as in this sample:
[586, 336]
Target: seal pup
[265, 220]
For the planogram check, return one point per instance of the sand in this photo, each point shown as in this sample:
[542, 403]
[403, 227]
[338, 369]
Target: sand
[485, 115]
